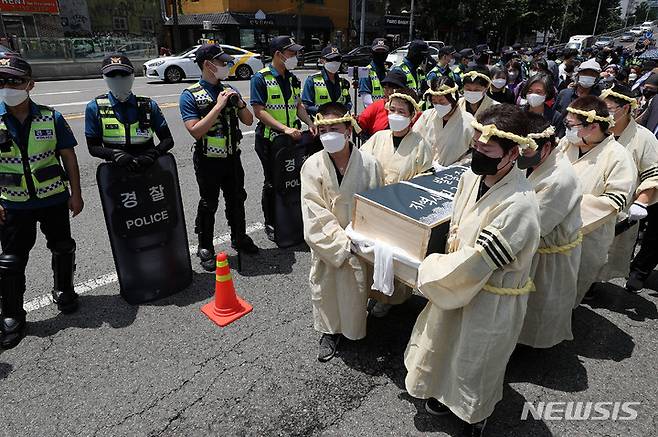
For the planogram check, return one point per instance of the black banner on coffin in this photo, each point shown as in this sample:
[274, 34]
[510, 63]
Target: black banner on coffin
[287, 164]
[146, 225]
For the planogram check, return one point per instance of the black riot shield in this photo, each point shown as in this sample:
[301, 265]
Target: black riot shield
[287, 163]
[144, 217]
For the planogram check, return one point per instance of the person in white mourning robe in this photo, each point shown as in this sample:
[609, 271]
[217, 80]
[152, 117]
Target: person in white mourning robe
[329, 180]
[478, 291]
[476, 82]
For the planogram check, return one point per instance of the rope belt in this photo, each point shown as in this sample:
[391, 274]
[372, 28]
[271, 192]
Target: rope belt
[527, 288]
[562, 249]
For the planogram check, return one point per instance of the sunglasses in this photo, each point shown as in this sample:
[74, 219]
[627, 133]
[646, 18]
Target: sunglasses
[12, 81]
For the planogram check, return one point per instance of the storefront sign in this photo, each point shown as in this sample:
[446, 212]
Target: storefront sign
[396, 20]
[30, 6]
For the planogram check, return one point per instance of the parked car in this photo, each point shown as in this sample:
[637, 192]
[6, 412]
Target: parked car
[646, 26]
[636, 31]
[396, 56]
[605, 41]
[183, 66]
[357, 57]
[627, 37]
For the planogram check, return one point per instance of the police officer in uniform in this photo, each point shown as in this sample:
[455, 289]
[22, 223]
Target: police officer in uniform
[211, 112]
[326, 86]
[370, 88]
[275, 98]
[34, 139]
[119, 126]
[414, 65]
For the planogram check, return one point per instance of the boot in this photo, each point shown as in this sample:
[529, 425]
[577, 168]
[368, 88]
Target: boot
[63, 292]
[240, 241]
[13, 325]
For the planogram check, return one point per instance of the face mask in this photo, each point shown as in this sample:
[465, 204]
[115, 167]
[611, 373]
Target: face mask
[120, 86]
[609, 78]
[586, 81]
[451, 63]
[535, 100]
[333, 141]
[221, 72]
[398, 122]
[473, 97]
[12, 97]
[483, 164]
[499, 83]
[332, 67]
[572, 135]
[442, 110]
[379, 58]
[632, 77]
[290, 63]
[524, 162]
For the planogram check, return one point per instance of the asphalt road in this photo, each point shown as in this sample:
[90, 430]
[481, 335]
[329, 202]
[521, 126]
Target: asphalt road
[113, 369]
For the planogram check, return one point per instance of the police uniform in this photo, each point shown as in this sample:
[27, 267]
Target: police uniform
[320, 89]
[216, 159]
[33, 188]
[438, 70]
[411, 66]
[372, 85]
[279, 95]
[119, 126]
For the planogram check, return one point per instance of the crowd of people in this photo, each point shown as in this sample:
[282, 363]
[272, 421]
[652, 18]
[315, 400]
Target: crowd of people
[561, 150]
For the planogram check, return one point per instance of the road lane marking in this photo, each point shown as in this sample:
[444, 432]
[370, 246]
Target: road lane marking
[55, 94]
[110, 278]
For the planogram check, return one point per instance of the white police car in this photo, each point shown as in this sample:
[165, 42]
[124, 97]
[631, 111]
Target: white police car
[183, 66]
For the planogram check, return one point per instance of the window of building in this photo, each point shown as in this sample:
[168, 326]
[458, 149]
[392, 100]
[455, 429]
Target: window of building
[120, 24]
[147, 24]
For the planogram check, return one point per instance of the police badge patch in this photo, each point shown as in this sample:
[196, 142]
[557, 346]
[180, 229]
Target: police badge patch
[44, 134]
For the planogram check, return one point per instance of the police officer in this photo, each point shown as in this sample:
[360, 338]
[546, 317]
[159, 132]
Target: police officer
[211, 112]
[445, 65]
[326, 86]
[414, 64]
[275, 98]
[33, 140]
[120, 126]
[370, 88]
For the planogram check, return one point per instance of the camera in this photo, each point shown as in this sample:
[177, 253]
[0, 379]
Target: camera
[234, 100]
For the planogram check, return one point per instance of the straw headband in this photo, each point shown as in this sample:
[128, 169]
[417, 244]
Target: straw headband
[442, 91]
[347, 118]
[547, 133]
[473, 74]
[406, 97]
[591, 116]
[490, 130]
[610, 93]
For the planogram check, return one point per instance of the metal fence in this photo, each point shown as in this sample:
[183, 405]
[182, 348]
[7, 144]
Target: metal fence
[81, 49]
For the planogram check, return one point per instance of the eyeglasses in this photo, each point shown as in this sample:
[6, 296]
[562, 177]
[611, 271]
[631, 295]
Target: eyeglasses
[569, 126]
[12, 81]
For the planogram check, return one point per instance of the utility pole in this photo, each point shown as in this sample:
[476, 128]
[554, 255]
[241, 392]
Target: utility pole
[411, 21]
[362, 39]
[176, 39]
[596, 21]
[353, 26]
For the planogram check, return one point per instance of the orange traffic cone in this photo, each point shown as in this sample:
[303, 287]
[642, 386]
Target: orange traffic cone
[227, 306]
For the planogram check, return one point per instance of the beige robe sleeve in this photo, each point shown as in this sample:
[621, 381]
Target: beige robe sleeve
[322, 231]
[648, 170]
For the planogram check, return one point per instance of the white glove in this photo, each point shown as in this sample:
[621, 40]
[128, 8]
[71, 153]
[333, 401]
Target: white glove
[637, 212]
[437, 166]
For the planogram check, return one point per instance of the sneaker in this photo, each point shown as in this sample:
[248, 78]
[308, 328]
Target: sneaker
[474, 429]
[635, 282]
[207, 258]
[244, 244]
[380, 310]
[436, 408]
[328, 347]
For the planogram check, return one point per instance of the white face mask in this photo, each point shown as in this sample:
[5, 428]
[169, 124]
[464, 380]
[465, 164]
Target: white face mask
[221, 72]
[632, 77]
[398, 122]
[572, 135]
[442, 110]
[473, 97]
[120, 86]
[499, 83]
[12, 97]
[586, 81]
[451, 63]
[333, 141]
[332, 67]
[535, 100]
[533, 72]
[290, 63]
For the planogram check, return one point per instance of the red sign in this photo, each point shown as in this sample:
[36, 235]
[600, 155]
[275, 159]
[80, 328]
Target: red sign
[30, 6]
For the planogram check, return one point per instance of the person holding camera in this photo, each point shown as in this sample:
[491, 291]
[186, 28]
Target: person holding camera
[327, 86]
[211, 112]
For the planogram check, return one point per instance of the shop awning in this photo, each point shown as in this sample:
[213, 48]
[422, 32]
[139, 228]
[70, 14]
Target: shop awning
[248, 20]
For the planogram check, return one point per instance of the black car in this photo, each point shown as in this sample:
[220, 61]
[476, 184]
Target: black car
[357, 57]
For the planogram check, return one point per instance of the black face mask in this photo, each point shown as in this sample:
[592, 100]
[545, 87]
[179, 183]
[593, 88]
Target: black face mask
[648, 93]
[483, 164]
[379, 58]
[524, 162]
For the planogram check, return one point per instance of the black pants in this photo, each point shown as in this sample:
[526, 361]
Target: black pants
[263, 148]
[213, 175]
[18, 235]
[647, 258]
